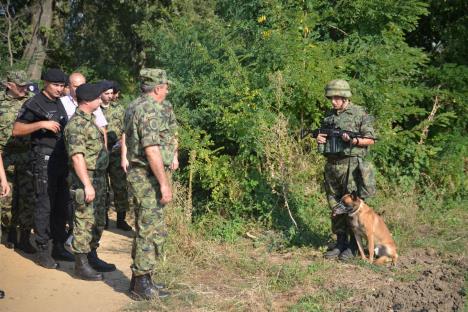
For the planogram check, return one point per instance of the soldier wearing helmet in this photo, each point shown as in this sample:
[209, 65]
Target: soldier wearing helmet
[346, 170]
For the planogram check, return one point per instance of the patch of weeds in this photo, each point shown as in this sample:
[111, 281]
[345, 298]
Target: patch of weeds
[286, 276]
[221, 229]
[321, 300]
[273, 241]
[247, 266]
[409, 276]
[319, 266]
[308, 303]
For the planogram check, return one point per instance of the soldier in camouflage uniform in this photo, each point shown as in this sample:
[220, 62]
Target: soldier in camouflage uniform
[346, 169]
[89, 159]
[15, 150]
[150, 132]
[114, 114]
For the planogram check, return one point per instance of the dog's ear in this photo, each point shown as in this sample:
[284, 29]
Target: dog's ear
[354, 195]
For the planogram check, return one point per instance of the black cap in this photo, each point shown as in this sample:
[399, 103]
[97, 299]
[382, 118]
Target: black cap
[106, 85]
[54, 75]
[88, 92]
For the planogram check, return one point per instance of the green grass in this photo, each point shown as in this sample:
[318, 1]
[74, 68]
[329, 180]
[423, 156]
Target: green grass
[320, 300]
[213, 266]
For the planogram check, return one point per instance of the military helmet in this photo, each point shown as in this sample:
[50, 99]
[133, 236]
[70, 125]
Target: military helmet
[338, 87]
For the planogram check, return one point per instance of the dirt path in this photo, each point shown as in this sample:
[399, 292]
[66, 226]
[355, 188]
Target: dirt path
[29, 287]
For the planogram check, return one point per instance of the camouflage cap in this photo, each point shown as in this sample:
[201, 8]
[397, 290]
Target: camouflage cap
[17, 76]
[153, 76]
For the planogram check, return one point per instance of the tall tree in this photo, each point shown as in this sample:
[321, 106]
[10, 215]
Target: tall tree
[41, 22]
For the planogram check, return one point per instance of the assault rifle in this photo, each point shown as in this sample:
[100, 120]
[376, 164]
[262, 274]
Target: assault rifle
[49, 115]
[332, 132]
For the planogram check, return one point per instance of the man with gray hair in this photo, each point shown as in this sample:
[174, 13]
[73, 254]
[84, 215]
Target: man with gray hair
[151, 143]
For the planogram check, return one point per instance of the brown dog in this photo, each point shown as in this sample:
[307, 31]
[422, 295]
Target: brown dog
[366, 223]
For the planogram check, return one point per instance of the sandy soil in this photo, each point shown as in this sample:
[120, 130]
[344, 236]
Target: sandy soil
[29, 287]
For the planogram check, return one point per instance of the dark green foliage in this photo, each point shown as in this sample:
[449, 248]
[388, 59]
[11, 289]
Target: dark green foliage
[244, 70]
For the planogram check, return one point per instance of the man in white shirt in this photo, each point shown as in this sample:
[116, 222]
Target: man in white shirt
[70, 103]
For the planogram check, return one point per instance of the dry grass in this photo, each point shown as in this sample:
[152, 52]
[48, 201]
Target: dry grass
[207, 275]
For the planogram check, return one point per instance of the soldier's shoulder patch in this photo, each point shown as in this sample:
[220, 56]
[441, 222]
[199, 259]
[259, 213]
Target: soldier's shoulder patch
[153, 123]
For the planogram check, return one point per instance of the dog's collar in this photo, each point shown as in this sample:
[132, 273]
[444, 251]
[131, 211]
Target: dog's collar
[357, 210]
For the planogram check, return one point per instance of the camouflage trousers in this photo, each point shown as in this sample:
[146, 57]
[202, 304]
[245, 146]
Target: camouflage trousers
[151, 230]
[18, 206]
[118, 182]
[90, 218]
[361, 179]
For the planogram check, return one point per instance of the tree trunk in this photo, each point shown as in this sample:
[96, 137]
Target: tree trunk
[35, 52]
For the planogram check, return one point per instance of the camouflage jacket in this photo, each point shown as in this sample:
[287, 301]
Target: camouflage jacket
[9, 108]
[114, 114]
[353, 118]
[83, 136]
[149, 123]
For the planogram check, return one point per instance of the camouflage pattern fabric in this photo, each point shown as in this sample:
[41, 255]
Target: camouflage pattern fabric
[118, 182]
[148, 123]
[114, 114]
[17, 208]
[151, 117]
[90, 218]
[361, 173]
[153, 76]
[20, 77]
[353, 118]
[149, 220]
[118, 179]
[83, 136]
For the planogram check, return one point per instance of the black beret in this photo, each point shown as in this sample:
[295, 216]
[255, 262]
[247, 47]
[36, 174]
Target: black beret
[88, 92]
[116, 86]
[54, 75]
[106, 85]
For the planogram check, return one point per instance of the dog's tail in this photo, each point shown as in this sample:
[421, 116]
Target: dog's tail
[386, 255]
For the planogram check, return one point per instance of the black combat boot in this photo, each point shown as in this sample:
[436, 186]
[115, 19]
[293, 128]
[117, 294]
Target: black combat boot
[156, 285]
[121, 223]
[98, 264]
[341, 245]
[84, 271]
[11, 238]
[43, 257]
[350, 251]
[143, 289]
[25, 244]
[60, 253]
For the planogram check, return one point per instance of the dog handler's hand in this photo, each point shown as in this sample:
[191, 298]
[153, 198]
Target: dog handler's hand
[321, 138]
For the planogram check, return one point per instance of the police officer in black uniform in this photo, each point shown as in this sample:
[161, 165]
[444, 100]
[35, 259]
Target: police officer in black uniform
[44, 118]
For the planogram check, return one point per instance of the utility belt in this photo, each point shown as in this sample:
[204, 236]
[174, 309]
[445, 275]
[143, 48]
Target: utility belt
[43, 150]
